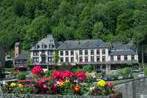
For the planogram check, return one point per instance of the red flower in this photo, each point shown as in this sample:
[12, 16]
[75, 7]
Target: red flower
[67, 74]
[54, 88]
[37, 70]
[62, 74]
[80, 75]
[109, 84]
[56, 74]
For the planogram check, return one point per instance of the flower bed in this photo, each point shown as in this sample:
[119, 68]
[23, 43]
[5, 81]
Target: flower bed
[60, 82]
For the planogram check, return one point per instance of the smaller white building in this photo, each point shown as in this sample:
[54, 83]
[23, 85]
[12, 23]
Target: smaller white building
[42, 52]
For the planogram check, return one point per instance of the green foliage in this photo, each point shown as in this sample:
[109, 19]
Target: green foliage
[75, 69]
[56, 57]
[145, 71]
[48, 73]
[110, 20]
[125, 72]
[8, 64]
[21, 76]
[88, 68]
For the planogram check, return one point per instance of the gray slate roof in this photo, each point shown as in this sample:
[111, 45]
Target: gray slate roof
[82, 44]
[122, 49]
[21, 57]
[49, 40]
[122, 52]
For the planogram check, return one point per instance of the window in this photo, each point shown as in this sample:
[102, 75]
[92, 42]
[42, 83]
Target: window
[98, 58]
[66, 52]
[43, 52]
[45, 46]
[49, 52]
[72, 59]
[118, 57]
[92, 52]
[125, 57]
[86, 52]
[98, 52]
[86, 59]
[81, 59]
[81, 52]
[71, 52]
[52, 46]
[103, 58]
[66, 59]
[35, 53]
[61, 53]
[103, 51]
[92, 58]
[132, 57]
[49, 59]
[112, 58]
[38, 46]
[35, 60]
[61, 59]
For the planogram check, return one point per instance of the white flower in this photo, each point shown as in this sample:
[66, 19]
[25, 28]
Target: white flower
[92, 88]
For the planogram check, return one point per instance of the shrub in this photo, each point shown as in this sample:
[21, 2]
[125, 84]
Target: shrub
[125, 72]
[88, 68]
[21, 76]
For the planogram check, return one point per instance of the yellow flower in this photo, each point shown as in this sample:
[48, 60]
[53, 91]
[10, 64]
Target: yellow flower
[61, 84]
[12, 84]
[20, 85]
[67, 81]
[101, 83]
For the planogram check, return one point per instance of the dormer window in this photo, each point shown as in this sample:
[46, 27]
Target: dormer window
[45, 46]
[52, 46]
[38, 46]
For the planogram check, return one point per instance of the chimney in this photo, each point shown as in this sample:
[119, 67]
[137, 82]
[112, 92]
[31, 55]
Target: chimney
[17, 49]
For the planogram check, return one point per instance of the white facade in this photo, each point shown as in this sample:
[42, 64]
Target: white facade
[43, 53]
[124, 58]
[84, 56]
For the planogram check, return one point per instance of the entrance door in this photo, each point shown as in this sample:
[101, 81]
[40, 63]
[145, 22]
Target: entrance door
[43, 59]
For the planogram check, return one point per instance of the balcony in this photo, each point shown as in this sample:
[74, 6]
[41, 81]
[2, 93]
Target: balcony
[43, 54]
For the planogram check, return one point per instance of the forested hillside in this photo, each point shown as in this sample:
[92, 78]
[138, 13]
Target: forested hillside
[110, 20]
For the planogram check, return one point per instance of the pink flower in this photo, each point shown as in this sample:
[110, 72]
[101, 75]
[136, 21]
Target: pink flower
[80, 75]
[37, 70]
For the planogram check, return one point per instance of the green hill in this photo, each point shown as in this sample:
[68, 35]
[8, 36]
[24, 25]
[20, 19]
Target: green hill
[110, 20]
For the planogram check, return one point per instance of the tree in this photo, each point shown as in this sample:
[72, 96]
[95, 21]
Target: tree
[56, 56]
[97, 29]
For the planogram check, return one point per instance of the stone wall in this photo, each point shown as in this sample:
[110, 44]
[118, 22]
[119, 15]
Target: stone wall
[133, 88]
